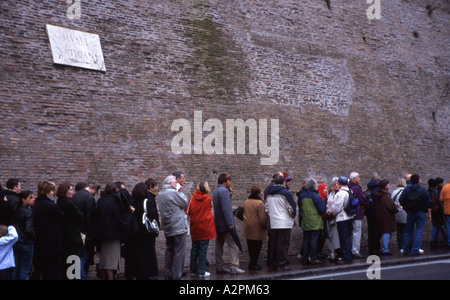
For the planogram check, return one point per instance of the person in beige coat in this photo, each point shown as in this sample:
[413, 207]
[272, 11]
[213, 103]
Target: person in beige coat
[255, 225]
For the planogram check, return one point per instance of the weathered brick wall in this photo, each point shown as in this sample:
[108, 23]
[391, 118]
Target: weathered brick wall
[349, 93]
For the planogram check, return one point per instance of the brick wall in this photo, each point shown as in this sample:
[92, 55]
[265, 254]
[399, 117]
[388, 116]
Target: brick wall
[349, 93]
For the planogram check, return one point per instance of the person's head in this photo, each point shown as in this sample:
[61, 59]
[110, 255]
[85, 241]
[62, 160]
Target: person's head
[280, 180]
[65, 190]
[343, 181]
[432, 183]
[203, 187]
[93, 187]
[384, 184]
[171, 180]
[256, 192]
[80, 186]
[311, 183]
[354, 176]
[46, 189]
[119, 186]
[323, 191]
[439, 182]
[401, 182]
[415, 179]
[14, 184]
[335, 184]
[225, 179]
[152, 185]
[139, 192]
[277, 174]
[179, 177]
[288, 180]
[27, 198]
[408, 177]
[110, 189]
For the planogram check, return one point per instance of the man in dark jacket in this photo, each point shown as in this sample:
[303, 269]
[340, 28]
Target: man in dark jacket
[85, 201]
[11, 194]
[373, 236]
[224, 222]
[416, 202]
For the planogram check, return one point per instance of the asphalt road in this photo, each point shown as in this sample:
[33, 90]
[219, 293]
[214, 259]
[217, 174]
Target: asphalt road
[430, 270]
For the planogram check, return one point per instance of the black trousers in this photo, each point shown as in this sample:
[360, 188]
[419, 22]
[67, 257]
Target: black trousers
[279, 245]
[254, 248]
[6, 274]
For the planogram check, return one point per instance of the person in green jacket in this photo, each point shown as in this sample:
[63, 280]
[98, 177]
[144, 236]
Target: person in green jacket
[311, 208]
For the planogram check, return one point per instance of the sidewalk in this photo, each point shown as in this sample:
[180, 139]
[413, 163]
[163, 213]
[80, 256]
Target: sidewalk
[299, 270]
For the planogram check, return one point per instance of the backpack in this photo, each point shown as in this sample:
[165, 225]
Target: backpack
[353, 205]
[372, 206]
[412, 202]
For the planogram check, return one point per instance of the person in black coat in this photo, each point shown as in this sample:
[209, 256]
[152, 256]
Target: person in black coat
[73, 219]
[140, 258]
[48, 220]
[109, 231]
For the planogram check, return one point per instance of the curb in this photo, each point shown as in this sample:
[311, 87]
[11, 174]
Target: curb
[347, 268]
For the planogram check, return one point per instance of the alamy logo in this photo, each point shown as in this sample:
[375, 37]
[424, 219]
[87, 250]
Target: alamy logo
[213, 143]
[374, 10]
[74, 10]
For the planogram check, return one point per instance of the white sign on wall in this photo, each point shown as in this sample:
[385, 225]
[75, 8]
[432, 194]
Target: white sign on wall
[75, 48]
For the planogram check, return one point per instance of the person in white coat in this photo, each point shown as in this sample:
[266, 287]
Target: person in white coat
[343, 220]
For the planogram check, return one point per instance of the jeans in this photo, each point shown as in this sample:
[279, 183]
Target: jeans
[345, 229]
[310, 239]
[385, 238]
[415, 225]
[198, 257]
[23, 257]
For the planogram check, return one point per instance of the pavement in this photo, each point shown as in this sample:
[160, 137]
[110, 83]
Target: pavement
[298, 270]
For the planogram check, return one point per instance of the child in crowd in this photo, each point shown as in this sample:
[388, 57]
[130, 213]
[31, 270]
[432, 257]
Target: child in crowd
[8, 237]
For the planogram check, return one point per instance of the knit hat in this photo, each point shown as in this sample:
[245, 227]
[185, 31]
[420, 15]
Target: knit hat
[343, 180]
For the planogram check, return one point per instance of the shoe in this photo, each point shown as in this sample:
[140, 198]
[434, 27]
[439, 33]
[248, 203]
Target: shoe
[237, 271]
[207, 274]
[316, 262]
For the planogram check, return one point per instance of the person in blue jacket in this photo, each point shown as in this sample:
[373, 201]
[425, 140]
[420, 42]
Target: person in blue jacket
[416, 201]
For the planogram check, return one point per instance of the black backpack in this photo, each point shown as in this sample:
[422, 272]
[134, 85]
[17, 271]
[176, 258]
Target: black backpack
[412, 202]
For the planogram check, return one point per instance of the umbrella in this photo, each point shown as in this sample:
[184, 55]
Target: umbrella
[236, 239]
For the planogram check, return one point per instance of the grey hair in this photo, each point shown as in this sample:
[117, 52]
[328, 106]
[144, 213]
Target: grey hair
[311, 183]
[353, 175]
[335, 179]
[170, 179]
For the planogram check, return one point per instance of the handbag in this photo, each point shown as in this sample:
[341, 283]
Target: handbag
[151, 226]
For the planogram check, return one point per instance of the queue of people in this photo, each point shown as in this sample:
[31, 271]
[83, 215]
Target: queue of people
[39, 234]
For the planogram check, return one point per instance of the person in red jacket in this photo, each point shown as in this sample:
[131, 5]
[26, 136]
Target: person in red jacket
[202, 227]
